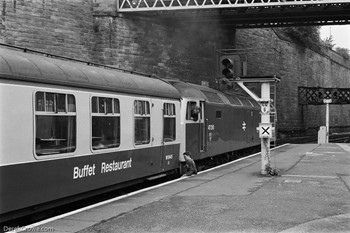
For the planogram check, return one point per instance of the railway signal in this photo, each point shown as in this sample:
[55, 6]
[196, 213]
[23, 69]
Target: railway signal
[228, 68]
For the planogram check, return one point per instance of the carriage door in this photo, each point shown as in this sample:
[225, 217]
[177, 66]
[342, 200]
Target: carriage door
[202, 128]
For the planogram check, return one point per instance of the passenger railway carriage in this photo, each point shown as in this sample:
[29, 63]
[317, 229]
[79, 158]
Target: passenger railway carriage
[70, 130]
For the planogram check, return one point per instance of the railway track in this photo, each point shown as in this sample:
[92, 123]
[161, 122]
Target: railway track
[333, 138]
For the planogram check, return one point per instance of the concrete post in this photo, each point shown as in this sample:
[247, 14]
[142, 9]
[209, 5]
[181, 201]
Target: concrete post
[265, 118]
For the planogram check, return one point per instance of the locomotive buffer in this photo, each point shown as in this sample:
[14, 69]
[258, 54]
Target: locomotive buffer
[265, 127]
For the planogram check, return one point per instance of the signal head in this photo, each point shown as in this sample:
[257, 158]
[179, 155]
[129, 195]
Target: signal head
[227, 63]
[228, 73]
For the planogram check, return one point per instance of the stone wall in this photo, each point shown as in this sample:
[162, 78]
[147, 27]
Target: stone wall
[173, 48]
[300, 66]
[164, 48]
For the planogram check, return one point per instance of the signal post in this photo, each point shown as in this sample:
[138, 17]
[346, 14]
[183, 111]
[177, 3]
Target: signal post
[265, 127]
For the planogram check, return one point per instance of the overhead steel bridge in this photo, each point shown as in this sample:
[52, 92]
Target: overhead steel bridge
[246, 13]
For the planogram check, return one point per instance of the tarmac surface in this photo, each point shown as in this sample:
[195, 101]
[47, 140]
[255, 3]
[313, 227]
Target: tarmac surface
[311, 194]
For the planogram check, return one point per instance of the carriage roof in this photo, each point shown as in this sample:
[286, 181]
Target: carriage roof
[30, 67]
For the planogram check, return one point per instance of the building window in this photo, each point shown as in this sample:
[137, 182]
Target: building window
[55, 123]
[218, 114]
[142, 118]
[105, 123]
[169, 132]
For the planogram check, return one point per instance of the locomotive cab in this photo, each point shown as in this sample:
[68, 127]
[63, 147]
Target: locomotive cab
[195, 126]
[193, 121]
[214, 122]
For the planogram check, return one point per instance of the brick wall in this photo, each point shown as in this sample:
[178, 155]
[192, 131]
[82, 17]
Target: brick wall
[61, 27]
[173, 48]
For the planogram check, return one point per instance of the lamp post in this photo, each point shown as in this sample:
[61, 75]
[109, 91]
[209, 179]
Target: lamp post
[327, 102]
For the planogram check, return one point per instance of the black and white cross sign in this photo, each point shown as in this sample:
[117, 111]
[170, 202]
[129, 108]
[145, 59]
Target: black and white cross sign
[265, 130]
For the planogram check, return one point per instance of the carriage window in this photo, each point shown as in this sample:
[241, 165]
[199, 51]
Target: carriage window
[169, 131]
[105, 123]
[142, 118]
[55, 123]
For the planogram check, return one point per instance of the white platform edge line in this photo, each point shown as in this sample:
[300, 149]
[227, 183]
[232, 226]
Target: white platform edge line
[310, 176]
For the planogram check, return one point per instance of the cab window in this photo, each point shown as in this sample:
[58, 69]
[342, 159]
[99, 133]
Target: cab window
[55, 123]
[192, 111]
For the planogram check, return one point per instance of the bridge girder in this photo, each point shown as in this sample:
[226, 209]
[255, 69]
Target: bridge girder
[245, 13]
[316, 95]
[170, 5]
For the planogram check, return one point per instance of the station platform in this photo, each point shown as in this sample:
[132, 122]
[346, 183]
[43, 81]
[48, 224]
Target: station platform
[311, 194]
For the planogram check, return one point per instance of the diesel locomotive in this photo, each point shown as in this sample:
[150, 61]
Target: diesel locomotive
[71, 129]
